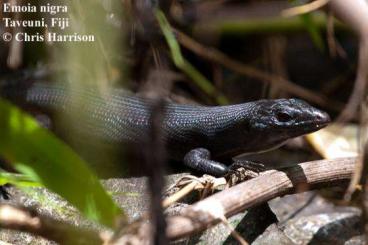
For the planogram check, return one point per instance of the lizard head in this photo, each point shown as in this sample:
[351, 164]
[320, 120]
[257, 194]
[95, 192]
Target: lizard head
[287, 118]
[273, 122]
[267, 124]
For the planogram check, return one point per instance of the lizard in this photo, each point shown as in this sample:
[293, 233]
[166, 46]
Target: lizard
[203, 138]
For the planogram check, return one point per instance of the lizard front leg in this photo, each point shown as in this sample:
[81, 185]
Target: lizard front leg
[200, 159]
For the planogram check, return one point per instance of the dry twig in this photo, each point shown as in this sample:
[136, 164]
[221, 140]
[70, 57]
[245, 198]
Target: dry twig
[364, 164]
[206, 184]
[21, 219]
[219, 57]
[355, 14]
[267, 186]
[334, 46]
[305, 8]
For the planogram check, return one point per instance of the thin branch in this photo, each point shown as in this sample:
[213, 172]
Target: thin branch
[360, 84]
[155, 163]
[270, 184]
[220, 58]
[355, 14]
[364, 164]
[333, 45]
[305, 8]
[22, 219]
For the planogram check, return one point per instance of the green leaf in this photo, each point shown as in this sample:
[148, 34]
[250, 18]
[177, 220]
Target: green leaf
[17, 179]
[41, 156]
[313, 30]
[201, 81]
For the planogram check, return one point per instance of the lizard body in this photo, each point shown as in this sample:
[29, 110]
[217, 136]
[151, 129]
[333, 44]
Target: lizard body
[220, 131]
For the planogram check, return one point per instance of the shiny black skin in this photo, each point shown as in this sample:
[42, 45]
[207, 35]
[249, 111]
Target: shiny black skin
[119, 117]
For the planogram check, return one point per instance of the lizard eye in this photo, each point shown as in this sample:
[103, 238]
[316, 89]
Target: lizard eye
[283, 117]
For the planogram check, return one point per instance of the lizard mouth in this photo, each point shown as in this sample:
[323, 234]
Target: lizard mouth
[319, 123]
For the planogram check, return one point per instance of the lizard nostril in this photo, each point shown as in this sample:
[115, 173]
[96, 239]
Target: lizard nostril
[322, 116]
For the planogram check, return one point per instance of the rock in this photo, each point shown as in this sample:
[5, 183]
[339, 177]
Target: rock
[329, 228]
[303, 218]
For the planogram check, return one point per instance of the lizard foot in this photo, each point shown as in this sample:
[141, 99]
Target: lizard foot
[242, 170]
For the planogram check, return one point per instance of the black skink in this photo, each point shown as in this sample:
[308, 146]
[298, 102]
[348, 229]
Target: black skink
[192, 133]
